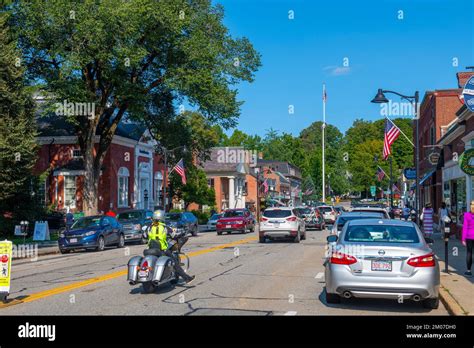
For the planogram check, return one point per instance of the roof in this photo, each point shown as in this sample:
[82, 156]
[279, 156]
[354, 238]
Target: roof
[281, 166]
[52, 125]
[391, 222]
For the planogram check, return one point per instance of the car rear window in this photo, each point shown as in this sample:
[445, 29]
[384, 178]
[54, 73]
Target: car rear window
[131, 215]
[343, 219]
[233, 213]
[381, 233]
[278, 213]
[173, 217]
[304, 211]
[325, 209]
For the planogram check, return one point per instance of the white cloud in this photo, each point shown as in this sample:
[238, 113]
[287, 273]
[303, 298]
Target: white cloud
[337, 70]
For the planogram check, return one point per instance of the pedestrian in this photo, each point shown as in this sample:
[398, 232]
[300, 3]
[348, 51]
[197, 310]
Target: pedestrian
[406, 213]
[427, 218]
[468, 237]
[442, 214]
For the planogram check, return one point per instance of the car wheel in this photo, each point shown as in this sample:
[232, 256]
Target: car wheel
[219, 233]
[64, 251]
[121, 242]
[195, 231]
[100, 244]
[148, 288]
[262, 240]
[431, 303]
[333, 298]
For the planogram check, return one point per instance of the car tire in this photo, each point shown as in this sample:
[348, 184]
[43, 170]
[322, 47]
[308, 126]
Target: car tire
[148, 288]
[431, 303]
[262, 240]
[121, 242]
[333, 298]
[100, 244]
[195, 231]
[219, 233]
[64, 251]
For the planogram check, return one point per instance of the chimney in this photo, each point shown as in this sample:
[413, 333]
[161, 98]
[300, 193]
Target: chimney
[463, 77]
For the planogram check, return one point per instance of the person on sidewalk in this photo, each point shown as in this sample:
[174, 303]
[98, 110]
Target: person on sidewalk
[406, 212]
[427, 218]
[442, 213]
[468, 237]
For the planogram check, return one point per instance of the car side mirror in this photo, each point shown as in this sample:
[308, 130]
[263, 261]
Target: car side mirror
[332, 238]
[429, 240]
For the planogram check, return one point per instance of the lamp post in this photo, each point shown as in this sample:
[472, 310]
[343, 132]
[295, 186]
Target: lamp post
[166, 153]
[379, 99]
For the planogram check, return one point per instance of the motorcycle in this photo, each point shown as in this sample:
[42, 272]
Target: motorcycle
[155, 268]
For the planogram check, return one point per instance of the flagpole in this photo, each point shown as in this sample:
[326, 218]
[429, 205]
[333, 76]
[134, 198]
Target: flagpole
[324, 126]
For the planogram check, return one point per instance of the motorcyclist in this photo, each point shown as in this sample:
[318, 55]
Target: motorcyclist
[158, 238]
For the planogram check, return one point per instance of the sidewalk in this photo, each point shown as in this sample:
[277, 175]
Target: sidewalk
[454, 285]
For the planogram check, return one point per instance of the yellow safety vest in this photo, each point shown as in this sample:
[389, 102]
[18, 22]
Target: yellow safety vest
[158, 234]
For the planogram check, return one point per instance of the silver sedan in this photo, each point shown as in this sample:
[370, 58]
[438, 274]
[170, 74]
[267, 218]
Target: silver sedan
[379, 258]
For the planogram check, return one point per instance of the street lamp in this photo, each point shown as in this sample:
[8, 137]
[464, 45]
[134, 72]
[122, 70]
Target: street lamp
[166, 152]
[380, 99]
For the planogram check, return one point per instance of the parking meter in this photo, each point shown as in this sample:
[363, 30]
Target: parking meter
[447, 232]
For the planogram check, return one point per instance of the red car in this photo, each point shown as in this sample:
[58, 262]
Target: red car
[235, 220]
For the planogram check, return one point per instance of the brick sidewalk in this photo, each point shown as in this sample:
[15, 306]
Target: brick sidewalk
[459, 286]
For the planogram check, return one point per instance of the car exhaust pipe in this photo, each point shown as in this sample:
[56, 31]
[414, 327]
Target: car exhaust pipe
[416, 298]
[347, 294]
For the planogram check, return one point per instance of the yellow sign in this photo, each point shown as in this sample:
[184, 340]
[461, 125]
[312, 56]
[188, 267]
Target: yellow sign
[6, 249]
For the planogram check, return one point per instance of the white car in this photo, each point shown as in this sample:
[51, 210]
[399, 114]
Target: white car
[372, 210]
[211, 223]
[281, 222]
[329, 214]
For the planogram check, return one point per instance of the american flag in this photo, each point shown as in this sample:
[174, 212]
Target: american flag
[179, 167]
[395, 188]
[325, 97]
[391, 134]
[380, 173]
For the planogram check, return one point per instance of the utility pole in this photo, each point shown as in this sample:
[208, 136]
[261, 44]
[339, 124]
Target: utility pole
[323, 135]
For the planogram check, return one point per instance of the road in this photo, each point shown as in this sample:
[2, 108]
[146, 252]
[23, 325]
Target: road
[234, 275]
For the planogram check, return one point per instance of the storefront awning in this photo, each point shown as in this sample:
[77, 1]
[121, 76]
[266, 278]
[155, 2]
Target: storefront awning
[426, 177]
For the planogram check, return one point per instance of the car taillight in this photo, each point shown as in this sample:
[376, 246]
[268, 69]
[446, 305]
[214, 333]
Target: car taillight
[263, 219]
[293, 218]
[422, 261]
[342, 259]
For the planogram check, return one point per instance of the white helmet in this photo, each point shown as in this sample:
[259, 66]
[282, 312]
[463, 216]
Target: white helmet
[159, 215]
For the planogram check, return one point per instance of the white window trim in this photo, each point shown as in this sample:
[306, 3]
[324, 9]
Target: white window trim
[123, 172]
[73, 205]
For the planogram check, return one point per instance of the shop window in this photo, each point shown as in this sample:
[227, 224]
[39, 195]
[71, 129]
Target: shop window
[123, 184]
[70, 191]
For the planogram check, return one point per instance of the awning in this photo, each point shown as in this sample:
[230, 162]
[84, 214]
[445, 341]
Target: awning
[426, 177]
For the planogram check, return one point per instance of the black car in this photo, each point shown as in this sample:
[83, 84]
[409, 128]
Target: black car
[133, 222]
[183, 221]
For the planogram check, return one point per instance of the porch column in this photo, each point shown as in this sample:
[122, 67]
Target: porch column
[231, 192]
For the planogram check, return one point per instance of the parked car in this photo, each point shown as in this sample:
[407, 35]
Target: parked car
[353, 215]
[92, 233]
[56, 220]
[381, 258]
[236, 220]
[372, 210]
[133, 222]
[183, 221]
[312, 218]
[211, 223]
[329, 214]
[283, 222]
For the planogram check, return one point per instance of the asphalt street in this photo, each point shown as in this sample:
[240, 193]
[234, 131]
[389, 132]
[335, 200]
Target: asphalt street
[234, 275]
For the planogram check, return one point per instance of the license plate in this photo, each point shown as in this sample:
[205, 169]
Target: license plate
[143, 274]
[382, 266]
[276, 224]
[73, 240]
[228, 226]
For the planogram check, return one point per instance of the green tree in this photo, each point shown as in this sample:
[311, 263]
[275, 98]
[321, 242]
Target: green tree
[17, 133]
[131, 59]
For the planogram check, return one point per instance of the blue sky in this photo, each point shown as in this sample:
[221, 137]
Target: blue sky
[298, 55]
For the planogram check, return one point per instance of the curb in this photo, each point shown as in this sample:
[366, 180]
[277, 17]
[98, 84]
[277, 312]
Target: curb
[452, 306]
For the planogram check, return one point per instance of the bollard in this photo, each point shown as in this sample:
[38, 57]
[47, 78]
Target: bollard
[446, 247]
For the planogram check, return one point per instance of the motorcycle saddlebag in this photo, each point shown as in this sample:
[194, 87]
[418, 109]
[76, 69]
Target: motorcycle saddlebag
[132, 268]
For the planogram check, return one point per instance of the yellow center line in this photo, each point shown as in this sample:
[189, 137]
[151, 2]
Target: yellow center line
[109, 276]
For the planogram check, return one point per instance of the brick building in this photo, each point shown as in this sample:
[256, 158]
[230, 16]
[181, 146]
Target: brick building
[131, 175]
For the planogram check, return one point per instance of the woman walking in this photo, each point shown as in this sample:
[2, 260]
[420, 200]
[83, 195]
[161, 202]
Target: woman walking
[468, 237]
[427, 220]
[442, 214]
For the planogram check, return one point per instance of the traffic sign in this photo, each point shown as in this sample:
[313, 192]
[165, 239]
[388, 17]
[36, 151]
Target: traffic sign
[372, 190]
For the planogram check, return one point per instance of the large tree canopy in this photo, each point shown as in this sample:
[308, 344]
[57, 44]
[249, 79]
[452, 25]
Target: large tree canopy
[131, 59]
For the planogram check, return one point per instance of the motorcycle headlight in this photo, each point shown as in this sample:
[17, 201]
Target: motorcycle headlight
[90, 233]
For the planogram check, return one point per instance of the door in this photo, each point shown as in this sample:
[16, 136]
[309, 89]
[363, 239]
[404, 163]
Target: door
[107, 230]
[144, 192]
